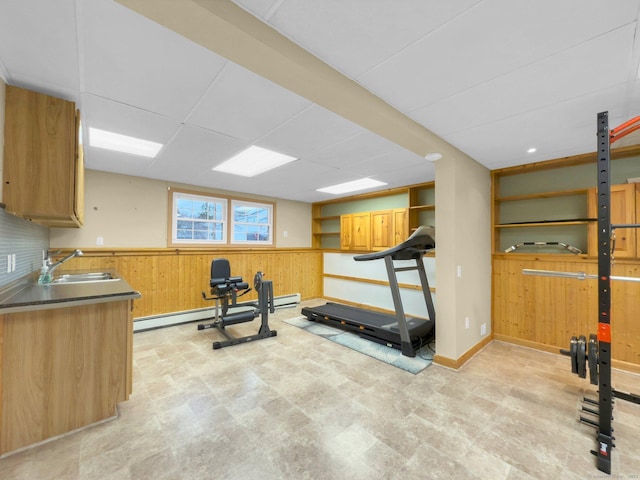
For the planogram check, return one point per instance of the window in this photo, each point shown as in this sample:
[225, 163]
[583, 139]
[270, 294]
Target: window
[198, 219]
[252, 222]
[201, 219]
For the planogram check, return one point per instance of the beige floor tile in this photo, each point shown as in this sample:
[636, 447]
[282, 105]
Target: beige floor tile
[297, 406]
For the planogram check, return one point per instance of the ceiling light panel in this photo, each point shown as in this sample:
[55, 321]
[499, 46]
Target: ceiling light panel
[353, 186]
[123, 143]
[253, 161]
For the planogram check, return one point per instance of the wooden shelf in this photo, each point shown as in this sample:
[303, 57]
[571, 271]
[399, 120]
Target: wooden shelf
[544, 224]
[533, 196]
[393, 223]
[422, 207]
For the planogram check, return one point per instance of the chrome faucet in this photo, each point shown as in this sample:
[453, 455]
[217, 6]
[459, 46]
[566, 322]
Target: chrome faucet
[46, 275]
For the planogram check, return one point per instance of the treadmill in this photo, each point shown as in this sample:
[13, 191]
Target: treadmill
[397, 331]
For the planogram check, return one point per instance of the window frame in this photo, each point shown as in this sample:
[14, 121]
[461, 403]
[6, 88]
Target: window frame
[236, 202]
[228, 224]
[176, 195]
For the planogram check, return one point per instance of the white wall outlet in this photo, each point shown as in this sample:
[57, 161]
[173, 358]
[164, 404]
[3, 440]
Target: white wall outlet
[285, 234]
[13, 262]
[459, 271]
[8, 263]
[99, 241]
[483, 329]
[466, 323]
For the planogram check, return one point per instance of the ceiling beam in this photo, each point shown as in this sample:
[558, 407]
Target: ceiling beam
[226, 29]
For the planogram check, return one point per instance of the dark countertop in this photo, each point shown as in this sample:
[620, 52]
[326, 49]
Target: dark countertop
[27, 295]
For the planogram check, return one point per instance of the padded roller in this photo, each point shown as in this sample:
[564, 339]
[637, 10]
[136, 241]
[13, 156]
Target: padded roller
[235, 318]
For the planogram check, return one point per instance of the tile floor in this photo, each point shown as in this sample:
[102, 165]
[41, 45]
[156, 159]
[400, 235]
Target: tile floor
[300, 407]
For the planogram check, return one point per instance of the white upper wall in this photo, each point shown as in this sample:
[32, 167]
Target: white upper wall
[132, 212]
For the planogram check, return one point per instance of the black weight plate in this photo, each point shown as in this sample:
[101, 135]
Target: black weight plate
[593, 359]
[257, 281]
[582, 357]
[573, 352]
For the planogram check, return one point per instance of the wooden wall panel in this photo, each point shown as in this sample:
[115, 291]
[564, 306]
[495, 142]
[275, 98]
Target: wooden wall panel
[172, 280]
[549, 310]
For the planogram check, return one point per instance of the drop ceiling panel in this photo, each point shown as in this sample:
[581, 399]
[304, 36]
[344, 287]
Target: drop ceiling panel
[302, 174]
[115, 162]
[485, 42]
[38, 45]
[595, 65]
[310, 131]
[124, 119]
[194, 151]
[401, 162]
[354, 149]
[132, 60]
[355, 35]
[566, 127]
[244, 105]
[494, 77]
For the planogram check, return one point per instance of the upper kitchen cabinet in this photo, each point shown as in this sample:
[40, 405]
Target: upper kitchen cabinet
[43, 163]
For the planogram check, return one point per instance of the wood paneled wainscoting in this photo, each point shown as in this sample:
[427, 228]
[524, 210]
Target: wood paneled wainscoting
[171, 280]
[545, 312]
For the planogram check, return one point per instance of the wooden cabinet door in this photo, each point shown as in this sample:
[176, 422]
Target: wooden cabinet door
[361, 231]
[346, 226]
[400, 226]
[381, 229]
[623, 211]
[41, 163]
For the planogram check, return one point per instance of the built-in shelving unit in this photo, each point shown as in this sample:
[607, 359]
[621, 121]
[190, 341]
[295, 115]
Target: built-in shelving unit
[549, 203]
[418, 201]
[541, 208]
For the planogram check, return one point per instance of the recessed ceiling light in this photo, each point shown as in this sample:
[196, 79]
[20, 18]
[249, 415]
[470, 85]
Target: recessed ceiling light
[433, 156]
[123, 143]
[351, 186]
[253, 161]
[532, 150]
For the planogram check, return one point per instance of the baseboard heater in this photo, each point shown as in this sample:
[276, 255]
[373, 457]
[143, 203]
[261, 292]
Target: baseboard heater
[151, 322]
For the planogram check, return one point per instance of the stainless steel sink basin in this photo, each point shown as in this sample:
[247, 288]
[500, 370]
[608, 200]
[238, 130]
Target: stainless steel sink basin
[84, 278]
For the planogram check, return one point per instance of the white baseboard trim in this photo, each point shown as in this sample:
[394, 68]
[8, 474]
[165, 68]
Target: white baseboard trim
[151, 322]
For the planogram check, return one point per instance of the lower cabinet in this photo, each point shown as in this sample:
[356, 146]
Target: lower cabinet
[62, 369]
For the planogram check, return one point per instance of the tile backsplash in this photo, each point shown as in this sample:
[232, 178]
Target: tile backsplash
[25, 240]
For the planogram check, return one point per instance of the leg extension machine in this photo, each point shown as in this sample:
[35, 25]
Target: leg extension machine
[224, 289]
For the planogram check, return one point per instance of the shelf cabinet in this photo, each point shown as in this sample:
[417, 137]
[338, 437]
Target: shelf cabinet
[43, 162]
[422, 206]
[355, 231]
[556, 219]
[624, 210]
[553, 203]
[388, 228]
[393, 215]
[375, 231]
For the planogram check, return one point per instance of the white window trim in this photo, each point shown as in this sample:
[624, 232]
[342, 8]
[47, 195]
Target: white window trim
[270, 224]
[176, 195]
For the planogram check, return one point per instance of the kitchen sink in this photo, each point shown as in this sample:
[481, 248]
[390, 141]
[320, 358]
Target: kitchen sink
[84, 278]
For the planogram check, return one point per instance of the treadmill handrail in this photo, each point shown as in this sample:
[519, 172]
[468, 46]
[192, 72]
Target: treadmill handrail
[415, 246]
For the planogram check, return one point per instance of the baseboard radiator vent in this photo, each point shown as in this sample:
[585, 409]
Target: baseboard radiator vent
[151, 322]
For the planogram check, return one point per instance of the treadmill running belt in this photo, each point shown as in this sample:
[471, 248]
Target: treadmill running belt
[378, 327]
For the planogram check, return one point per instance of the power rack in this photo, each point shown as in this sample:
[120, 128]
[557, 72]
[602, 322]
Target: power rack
[597, 352]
